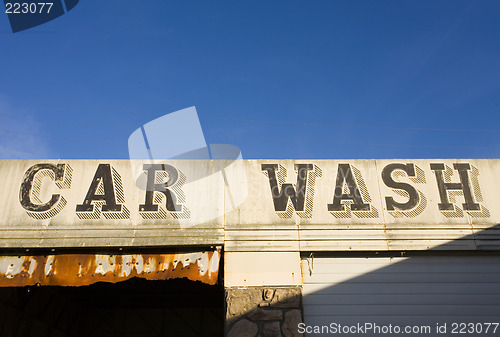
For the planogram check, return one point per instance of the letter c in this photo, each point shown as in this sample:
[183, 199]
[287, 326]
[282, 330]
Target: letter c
[27, 185]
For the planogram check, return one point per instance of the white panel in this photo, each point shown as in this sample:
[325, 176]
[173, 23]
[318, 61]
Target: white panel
[261, 268]
[423, 290]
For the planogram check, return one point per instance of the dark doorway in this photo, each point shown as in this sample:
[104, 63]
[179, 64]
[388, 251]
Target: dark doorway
[136, 307]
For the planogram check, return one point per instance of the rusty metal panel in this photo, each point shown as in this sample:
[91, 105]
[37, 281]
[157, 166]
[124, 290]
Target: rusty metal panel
[85, 269]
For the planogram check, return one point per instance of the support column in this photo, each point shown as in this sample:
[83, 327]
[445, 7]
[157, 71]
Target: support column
[263, 294]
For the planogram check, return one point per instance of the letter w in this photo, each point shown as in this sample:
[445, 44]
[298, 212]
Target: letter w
[280, 197]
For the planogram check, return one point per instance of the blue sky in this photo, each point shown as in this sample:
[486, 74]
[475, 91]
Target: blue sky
[279, 79]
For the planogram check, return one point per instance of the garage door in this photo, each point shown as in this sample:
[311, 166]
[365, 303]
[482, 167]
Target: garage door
[418, 295]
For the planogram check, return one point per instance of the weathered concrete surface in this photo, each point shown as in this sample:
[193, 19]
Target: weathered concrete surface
[286, 297]
[243, 328]
[290, 326]
[265, 315]
[240, 302]
[349, 205]
[329, 205]
[271, 330]
[99, 203]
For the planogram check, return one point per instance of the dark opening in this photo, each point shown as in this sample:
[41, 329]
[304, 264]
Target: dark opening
[136, 307]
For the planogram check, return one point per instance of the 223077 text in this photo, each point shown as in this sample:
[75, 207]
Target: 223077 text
[28, 7]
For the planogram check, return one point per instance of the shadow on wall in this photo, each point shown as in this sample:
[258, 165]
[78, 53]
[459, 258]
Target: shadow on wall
[447, 290]
[132, 308]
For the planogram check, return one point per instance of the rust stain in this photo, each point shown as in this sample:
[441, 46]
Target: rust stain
[85, 269]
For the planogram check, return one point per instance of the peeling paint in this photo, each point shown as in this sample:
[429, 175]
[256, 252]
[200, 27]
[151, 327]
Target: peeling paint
[85, 269]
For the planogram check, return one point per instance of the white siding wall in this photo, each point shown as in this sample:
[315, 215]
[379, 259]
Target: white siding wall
[422, 290]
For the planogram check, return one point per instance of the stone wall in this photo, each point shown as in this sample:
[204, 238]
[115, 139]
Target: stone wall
[263, 311]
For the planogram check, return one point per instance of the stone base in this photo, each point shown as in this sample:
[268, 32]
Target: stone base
[263, 311]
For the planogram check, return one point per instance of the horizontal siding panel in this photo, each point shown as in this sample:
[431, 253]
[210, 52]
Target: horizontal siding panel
[358, 234]
[483, 226]
[262, 235]
[434, 244]
[311, 240]
[401, 320]
[432, 226]
[488, 234]
[109, 242]
[392, 277]
[446, 260]
[488, 244]
[335, 226]
[430, 234]
[400, 299]
[257, 227]
[415, 260]
[478, 269]
[395, 245]
[357, 260]
[107, 233]
[402, 310]
[90, 226]
[480, 288]
[256, 246]
[345, 245]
